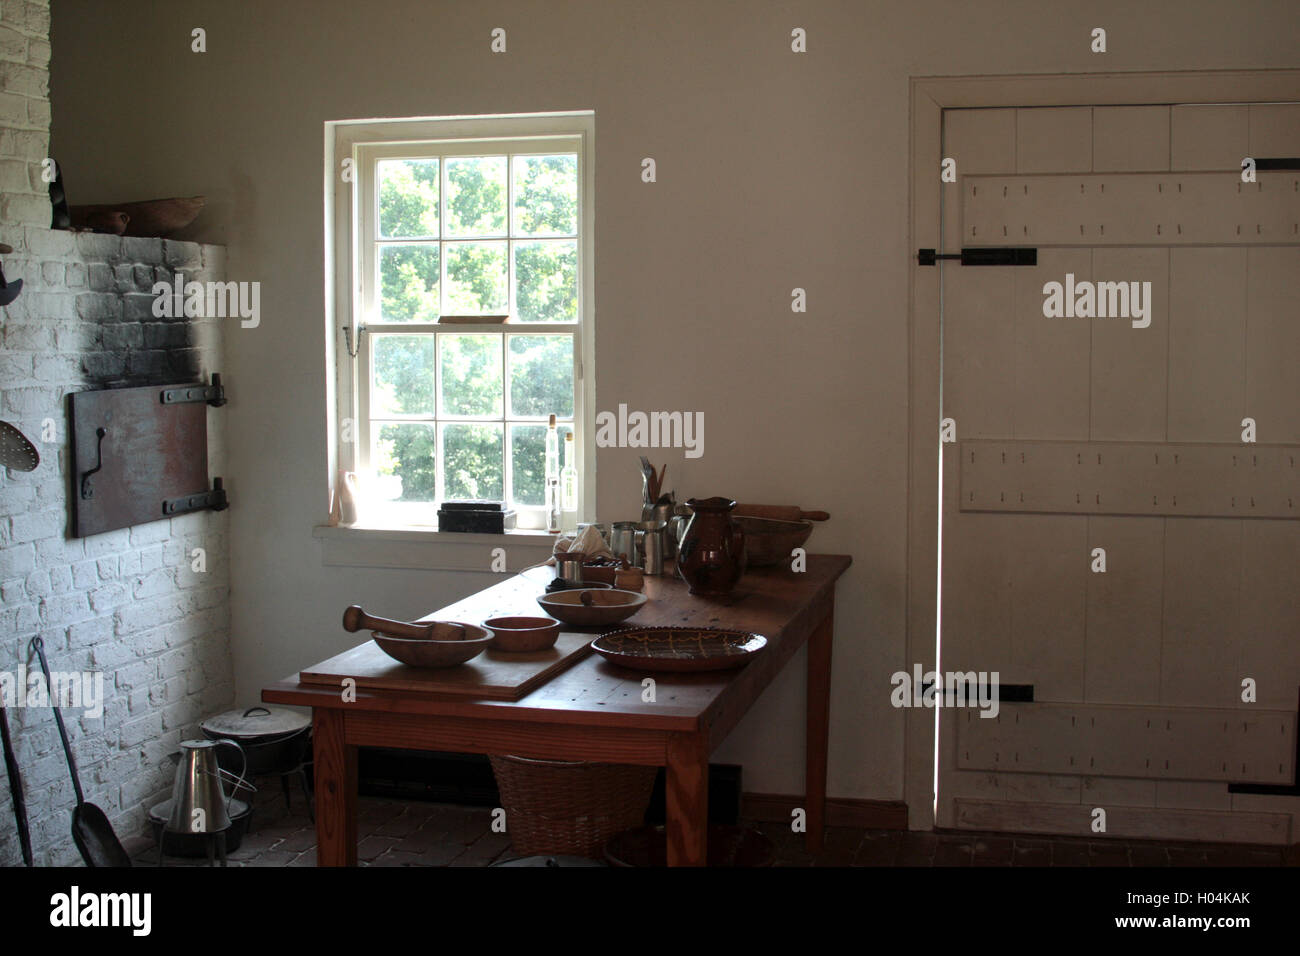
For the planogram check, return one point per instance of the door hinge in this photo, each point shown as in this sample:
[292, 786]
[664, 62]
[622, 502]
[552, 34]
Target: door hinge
[1274, 789]
[1289, 162]
[214, 394]
[215, 499]
[983, 256]
[1004, 693]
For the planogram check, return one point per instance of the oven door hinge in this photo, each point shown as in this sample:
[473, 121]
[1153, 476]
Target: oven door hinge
[214, 394]
[215, 500]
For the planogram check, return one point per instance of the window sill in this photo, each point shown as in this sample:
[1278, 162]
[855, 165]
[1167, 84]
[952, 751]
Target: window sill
[430, 550]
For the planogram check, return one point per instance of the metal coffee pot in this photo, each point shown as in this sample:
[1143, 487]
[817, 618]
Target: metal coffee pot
[199, 802]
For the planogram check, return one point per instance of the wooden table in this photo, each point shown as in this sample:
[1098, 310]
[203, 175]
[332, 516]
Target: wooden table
[593, 710]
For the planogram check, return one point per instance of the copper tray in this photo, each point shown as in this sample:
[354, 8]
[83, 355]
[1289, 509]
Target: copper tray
[679, 648]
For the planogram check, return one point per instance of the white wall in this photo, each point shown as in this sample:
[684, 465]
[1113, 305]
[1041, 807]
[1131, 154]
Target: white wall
[775, 170]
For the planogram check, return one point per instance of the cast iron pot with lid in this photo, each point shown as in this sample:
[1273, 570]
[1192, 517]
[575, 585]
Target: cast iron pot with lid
[275, 739]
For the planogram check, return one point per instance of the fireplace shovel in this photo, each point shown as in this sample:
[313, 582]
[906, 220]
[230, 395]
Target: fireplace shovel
[16, 451]
[91, 831]
[16, 789]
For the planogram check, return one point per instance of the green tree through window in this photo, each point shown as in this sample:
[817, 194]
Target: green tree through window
[467, 235]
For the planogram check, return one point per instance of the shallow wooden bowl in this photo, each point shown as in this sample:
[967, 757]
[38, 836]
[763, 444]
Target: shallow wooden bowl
[768, 541]
[449, 645]
[519, 635]
[154, 217]
[608, 606]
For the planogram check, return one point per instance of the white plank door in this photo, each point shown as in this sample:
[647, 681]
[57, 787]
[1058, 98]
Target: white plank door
[1122, 437]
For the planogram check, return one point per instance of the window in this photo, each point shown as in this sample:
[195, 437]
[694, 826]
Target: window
[470, 257]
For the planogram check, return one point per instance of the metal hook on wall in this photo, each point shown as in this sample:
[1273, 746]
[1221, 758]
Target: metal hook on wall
[347, 339]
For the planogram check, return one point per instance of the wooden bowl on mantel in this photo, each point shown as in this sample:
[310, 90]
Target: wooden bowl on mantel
[154, 218]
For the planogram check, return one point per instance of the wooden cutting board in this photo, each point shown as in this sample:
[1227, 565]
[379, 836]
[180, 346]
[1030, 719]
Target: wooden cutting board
[493, 675]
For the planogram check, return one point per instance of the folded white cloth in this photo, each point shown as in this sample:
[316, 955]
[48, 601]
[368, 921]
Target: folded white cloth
[589, 541]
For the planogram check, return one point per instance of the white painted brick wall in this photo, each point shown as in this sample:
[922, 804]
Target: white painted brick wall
[125, 603]
[24, 111]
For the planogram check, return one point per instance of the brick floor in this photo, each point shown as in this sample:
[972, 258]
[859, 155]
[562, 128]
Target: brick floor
[398, 833]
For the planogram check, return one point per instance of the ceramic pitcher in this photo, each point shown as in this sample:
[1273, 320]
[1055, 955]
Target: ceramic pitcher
[711, 557]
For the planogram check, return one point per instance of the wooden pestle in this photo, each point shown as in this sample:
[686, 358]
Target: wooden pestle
[355, 619]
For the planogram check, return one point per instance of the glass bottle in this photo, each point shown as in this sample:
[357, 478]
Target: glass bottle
[552, 450]
[569, 477]
[552, 477]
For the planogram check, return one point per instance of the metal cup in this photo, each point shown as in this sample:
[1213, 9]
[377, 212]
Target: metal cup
[623, 540]
[663, 513]
[568, 565]
[652, 544]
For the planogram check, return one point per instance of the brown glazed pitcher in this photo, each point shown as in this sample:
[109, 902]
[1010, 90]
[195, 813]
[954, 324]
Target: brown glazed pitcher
[711, 556]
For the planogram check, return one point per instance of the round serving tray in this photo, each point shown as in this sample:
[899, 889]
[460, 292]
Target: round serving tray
[679, 648]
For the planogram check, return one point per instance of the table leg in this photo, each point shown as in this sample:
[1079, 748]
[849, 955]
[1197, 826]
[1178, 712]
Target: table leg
[336, 790]
[687, 800]
[818, 729]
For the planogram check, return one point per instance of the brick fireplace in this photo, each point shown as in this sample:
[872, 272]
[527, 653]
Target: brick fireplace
[132, 605]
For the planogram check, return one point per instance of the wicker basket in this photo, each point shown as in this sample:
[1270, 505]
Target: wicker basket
[567, 808]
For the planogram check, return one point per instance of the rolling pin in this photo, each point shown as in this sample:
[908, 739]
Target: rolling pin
[354, 619]
[780, 512]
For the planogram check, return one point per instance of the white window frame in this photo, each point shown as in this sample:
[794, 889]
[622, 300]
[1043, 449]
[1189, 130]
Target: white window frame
[350, 208]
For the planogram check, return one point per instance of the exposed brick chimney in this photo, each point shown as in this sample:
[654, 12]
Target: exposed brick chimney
[132, 604]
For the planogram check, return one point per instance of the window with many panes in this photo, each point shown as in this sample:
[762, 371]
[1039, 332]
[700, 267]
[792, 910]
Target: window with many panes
[469, 256]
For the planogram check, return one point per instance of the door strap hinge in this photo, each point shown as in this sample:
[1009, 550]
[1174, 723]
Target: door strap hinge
[214, 394]
[215, 499]
[983, 256]
[1281, 162]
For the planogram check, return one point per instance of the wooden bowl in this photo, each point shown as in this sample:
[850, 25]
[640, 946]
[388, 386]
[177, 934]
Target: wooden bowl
[630, 579]
[154, 217]
[598, 574]
[450, 645]
[519, 635]
[768, 541]
[607, 606]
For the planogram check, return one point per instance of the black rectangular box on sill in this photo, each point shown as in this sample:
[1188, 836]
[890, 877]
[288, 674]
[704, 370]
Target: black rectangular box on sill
[481, 517]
